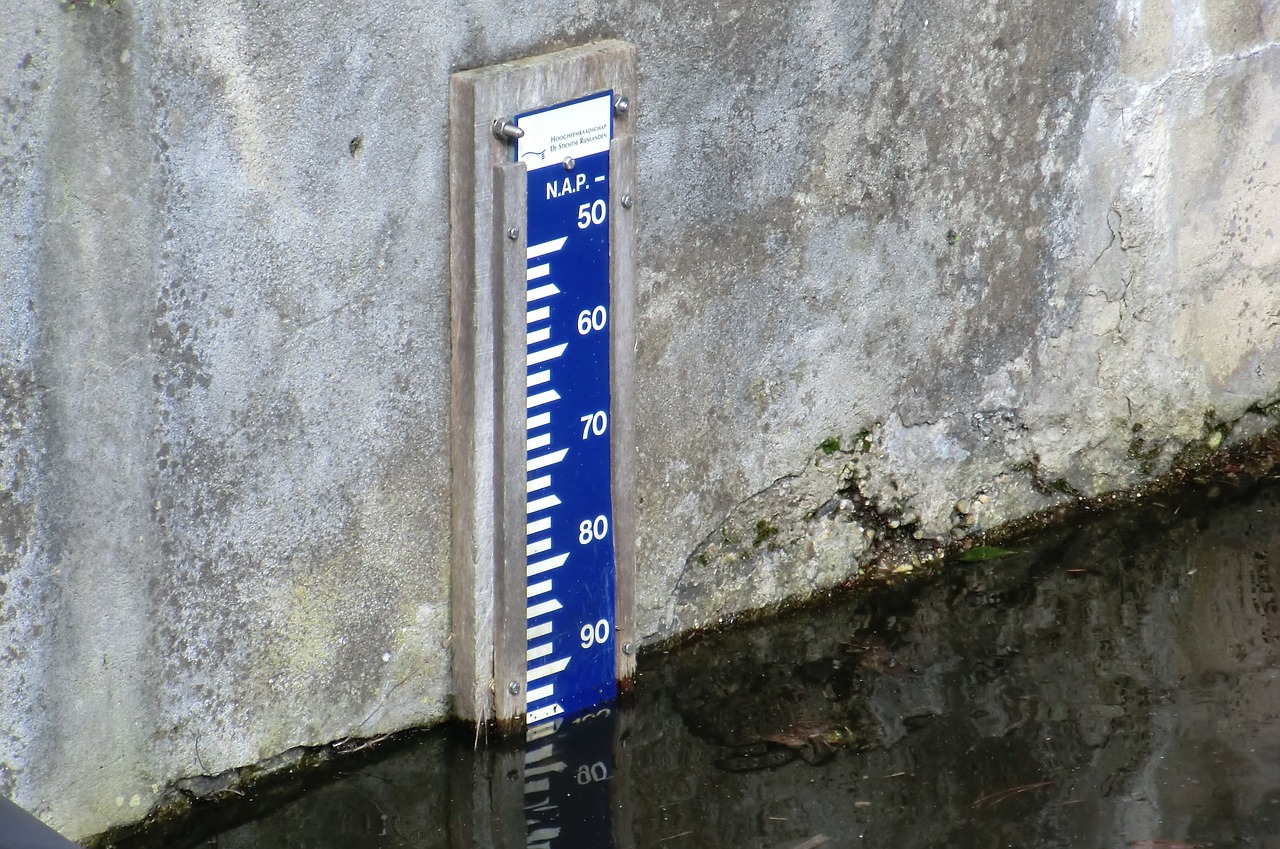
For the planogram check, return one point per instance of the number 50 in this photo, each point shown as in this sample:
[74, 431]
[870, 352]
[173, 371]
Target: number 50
[591, 213]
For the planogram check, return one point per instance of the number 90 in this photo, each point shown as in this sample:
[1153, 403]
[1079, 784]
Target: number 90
[593, 635]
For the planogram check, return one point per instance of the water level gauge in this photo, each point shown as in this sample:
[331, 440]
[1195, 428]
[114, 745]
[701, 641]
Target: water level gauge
[570, 608]
[543, 293]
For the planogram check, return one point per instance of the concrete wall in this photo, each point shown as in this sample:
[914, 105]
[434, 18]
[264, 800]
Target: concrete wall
[926, 265]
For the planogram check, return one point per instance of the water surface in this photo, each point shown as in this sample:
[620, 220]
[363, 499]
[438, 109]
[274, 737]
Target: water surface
[1113, 684]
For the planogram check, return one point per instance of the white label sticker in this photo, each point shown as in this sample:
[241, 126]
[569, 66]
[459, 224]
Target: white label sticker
[576, 130]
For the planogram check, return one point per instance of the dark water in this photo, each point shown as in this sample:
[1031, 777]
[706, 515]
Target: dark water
[1113, 685]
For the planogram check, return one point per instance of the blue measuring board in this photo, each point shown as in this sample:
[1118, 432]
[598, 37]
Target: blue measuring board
[570, 610]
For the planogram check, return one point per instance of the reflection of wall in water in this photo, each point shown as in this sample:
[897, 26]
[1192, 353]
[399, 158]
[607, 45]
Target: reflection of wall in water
[1129, 667]
[1086, 693]
[1217, 733]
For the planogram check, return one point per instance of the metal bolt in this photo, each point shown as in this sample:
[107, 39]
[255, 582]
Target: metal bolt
[513, 233]
[627, 648]
[569, 163]
[504, 129]
[627, 201]
[514, 688]
[621, 105]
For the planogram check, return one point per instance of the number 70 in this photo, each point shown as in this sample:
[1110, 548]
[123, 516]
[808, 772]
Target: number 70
[594, 424]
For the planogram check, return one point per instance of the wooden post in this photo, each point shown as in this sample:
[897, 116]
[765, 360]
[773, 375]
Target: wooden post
[509, 527]
[622, 301]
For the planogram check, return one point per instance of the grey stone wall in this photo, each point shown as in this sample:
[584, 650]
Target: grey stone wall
[908, 271]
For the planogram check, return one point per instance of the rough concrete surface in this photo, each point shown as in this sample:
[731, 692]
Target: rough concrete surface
[907, 269]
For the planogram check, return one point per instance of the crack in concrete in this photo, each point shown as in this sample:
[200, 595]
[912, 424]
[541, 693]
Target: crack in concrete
[1215, 67]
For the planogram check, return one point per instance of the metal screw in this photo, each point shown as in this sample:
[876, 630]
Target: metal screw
[621, 105]
[514, 688]
[627, 648]
[627, 201]
[569, 163]
[504, 129]
[513, 233]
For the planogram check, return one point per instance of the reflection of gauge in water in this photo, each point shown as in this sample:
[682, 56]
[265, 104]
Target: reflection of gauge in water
[541, 154]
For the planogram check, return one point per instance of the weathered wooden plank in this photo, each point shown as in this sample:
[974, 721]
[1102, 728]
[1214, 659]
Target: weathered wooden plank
[471, 802]
[508, 813]
[509, 264]
[622, 267]
[471, 644]
[621, 785]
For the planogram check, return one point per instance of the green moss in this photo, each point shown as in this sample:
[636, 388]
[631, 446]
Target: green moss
[1045, 486]
[985, 552]
[1142, 451]
[764, 531]
[830, 445]
[862, 440]
[1196, 452]
[1064, 486]
[1216, 430]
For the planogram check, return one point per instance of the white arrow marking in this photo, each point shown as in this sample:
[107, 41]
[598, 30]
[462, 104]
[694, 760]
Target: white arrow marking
[541, 398]
[546, 565]
[541, 609]
[558, 766]
[539, 754]
[539, 292]
[542, 713]
[535, 463]
[546, 502]
[544, 248]
[543, 835]
[536, 357]
[550, 669]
